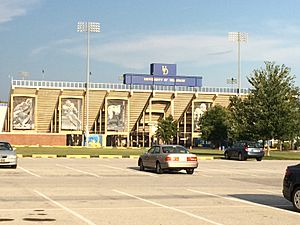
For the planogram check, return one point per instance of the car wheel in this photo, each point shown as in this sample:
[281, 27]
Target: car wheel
[14, 166]
[241, 157]
[142, 168]
[258, 159]
[189, 171]
[296, 199]
[158, 168]
[226, 155]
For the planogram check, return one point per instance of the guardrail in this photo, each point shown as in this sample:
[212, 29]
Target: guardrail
[125, 87]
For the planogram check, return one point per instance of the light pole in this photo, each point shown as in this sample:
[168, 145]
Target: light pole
[23, 74]
[88, 27]
[238, 37]
[232, 81]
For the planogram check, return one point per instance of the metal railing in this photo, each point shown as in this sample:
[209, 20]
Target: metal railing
[124, 87]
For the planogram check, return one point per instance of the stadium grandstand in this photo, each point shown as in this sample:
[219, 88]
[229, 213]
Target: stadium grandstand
[54, 113]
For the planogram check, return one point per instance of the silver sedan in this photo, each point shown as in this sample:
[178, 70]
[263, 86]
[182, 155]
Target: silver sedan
[8, 156]
[168, 157]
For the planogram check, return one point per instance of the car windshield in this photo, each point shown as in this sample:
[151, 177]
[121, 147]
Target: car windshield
[175, 149]
[5, 146]
[253, 144]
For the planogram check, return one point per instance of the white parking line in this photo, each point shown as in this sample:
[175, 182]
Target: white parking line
[202, 175]
[243, 201]
[233, 172]
[113, 167]
[65, 208]
[269, 191]
[267, 172]
[80, 171]
[168, 207]
[27, 171]
[132, 171]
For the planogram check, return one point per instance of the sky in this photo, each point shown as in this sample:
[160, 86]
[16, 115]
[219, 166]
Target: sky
[41, 35]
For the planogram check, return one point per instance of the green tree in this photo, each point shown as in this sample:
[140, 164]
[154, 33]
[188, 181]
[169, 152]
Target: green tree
[215, 125]
[271, 110]
[242, 123]
[166, 129]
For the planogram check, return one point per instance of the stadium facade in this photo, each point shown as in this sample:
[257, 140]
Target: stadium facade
[54, 112]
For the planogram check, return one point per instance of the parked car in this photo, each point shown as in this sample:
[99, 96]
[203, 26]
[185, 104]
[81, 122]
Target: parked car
[8, 156]
[168, 157]
[291, 185]
[242, 150]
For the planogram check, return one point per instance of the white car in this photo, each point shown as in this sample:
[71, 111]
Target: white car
[168, 157]
[8, 156]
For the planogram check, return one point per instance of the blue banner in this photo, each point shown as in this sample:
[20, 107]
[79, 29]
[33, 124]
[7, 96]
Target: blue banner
[191, 81]
[162, 69]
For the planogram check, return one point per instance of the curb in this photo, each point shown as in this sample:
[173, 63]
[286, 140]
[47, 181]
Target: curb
[110, 156]
[78, 156]
[43, 156]
[205, 157]
[200, 158]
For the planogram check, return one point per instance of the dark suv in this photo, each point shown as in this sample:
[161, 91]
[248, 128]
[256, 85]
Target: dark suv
[291, 185]
[242, 150]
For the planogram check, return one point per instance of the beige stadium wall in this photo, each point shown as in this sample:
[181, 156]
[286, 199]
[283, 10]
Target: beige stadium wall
[47, 103]
[3, 111]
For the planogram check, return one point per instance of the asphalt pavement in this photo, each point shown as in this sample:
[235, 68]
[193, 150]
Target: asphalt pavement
[114, 191]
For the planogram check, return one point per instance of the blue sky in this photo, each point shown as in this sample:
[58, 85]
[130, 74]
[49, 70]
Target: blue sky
[38, 35]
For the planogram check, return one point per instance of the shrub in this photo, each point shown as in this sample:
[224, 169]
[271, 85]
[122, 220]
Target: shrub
[285, 146]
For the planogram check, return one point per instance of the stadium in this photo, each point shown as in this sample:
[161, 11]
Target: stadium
[59, 113]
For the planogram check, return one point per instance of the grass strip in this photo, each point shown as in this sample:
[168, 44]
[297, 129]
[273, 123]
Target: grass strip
[127, 152]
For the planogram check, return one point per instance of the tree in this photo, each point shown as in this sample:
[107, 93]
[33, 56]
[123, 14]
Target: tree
[215, 125]
[242, 123]
[271, 110]
[166, 129]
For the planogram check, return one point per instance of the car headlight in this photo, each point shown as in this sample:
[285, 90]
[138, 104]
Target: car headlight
[11, 156]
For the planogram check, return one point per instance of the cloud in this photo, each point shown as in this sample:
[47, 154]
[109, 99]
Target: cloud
[133, 53]
[282, 51]
[39, 50]
[286, 28]
[220, 53]
[196, 49]
[59, 44]
[10, 9]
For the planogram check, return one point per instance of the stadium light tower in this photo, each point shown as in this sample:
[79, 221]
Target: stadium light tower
[88, 27]
[23, 74]
[238, 37]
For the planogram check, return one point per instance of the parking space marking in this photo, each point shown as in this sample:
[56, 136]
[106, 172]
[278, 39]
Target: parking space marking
[113, 167]
[199, 173]
[243, 201]
[27, 171]
[268, 171]
[269, 191]
[80, 171]
[233, 172]
[168, 207]
[138, 172]
[65, 208]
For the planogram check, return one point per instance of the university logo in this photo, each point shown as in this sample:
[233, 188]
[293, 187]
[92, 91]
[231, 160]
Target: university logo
[164, 70]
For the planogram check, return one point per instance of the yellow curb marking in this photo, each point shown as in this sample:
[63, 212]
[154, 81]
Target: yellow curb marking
[44, 156]
[110, 156]
[78, 156]
[205, 158]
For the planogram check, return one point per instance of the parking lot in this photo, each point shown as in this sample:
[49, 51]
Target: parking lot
[113, 191]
